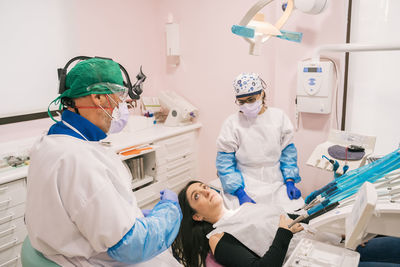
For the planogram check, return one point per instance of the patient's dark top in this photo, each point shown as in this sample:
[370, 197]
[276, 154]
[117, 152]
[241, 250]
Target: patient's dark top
[230, 252]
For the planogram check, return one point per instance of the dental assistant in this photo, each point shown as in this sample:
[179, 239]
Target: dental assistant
[80, 208]
[256, 158]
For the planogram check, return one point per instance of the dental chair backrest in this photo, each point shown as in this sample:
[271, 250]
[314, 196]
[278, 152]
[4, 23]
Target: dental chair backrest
[211, 262]
[30, 257]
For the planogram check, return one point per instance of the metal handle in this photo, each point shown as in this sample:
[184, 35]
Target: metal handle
[5, 232]
[183, 155]
[9, 244]
[10, 261]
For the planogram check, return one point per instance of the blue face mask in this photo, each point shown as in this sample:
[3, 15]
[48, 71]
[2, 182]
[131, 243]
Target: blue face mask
[251, 110]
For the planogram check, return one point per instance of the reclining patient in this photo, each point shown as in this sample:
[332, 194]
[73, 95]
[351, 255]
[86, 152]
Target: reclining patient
[203, 207]
[252, 235]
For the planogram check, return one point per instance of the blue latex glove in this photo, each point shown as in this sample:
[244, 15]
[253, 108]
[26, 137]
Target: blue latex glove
[167, 194]
[243, 197]
[292, 191]
[146, 212]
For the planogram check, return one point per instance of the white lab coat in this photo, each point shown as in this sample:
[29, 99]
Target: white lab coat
[84, 190]
[258, 144]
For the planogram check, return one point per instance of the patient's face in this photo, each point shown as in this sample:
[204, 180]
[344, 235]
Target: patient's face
[204, 200]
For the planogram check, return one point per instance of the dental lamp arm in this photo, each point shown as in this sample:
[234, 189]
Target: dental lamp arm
[258, 39]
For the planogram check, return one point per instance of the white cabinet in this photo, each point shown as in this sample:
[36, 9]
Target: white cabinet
[12, 227]
[170, 164]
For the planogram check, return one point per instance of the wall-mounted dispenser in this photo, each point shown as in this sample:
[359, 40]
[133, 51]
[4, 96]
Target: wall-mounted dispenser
[172, 30]
[172, 38]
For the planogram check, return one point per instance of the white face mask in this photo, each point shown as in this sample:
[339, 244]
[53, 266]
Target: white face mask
[251, 110]
[120, 118]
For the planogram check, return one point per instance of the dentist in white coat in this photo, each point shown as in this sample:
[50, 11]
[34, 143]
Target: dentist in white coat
[256, 158]
[80, 208]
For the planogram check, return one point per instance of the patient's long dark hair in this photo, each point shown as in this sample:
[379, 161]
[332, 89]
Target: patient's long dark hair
[191, 245]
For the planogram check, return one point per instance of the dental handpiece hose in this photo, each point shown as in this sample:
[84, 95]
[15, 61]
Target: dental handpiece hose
[370, 172]
[310, 216]
[369, 175]
[343, 193]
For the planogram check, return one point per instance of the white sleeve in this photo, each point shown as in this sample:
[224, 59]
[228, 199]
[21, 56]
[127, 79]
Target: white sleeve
[227, 140]
[287, 131]
[94, 204]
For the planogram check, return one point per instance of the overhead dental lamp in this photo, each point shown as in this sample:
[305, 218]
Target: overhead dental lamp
[256, 31]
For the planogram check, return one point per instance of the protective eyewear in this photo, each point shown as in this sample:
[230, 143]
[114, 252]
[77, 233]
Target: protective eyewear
[249, 100]
[120, 91]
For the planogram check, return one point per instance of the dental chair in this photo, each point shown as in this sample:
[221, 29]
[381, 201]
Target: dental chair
[30, 257]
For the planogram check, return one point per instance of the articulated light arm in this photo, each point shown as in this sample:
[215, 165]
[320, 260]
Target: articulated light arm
[258, 39]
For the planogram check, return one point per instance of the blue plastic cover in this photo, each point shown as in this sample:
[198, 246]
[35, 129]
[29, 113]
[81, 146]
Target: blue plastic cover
[150, 235]
[289, 167]
[231, 178]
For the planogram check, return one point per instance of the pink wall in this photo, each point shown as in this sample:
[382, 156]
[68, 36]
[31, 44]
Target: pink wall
[212, 56]
[132, 32]
[126, 30]
[326, 28]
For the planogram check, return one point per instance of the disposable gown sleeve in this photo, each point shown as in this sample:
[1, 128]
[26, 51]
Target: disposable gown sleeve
[149, 236]
[231, 178]
[288, 159]
[288, 162]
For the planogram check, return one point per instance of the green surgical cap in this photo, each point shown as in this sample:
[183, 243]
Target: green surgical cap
[91, 76]
[90, 72]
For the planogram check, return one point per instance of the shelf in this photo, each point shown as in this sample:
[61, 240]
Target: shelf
[147, 179]
[143, 152]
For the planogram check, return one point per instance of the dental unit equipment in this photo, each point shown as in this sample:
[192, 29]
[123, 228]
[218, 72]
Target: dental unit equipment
[383, 171]
[345, 139]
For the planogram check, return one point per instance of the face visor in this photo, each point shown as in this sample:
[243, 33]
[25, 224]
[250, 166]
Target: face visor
[109, 88]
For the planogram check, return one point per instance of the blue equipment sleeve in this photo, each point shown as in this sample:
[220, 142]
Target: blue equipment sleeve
[231, 178]
[149, 236]
[288, 162]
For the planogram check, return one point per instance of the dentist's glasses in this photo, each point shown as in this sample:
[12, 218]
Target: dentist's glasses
[249, 100]
[120, 91]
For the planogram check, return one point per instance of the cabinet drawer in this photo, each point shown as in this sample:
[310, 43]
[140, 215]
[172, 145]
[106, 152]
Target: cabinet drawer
[10, 256]
[148, 194]
[12, 194]
[177, 183]
[12, 227]
[177, 162]
[7, 215]
[13, 262]
[12, 238]
[174, 147]
[183, 173]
